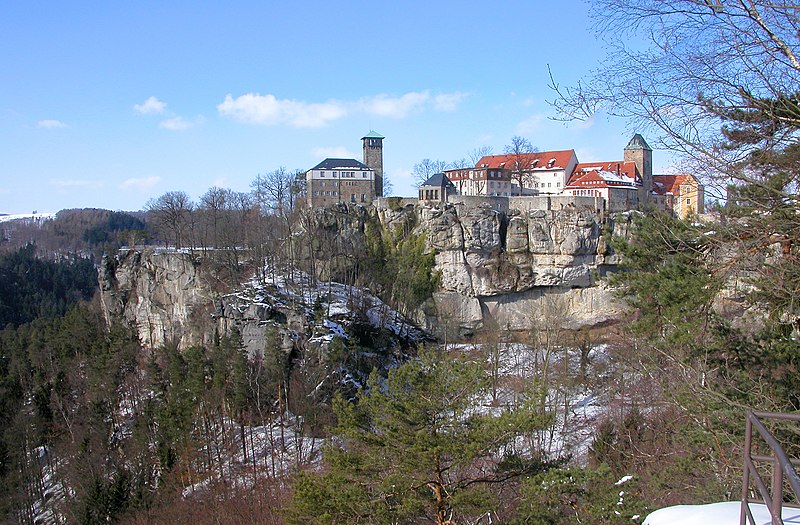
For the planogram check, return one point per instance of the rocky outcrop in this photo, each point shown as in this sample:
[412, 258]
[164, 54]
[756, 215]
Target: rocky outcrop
[165, 296]
[482, 252]
[498, 267]
[171, 297]
[504, 267]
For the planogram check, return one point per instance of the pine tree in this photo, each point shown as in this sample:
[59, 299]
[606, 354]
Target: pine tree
[414, 446]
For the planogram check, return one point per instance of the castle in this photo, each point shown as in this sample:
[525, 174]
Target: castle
[348, 180]
[552, 177]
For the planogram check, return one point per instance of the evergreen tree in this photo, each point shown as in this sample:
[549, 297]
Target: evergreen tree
[414, 447]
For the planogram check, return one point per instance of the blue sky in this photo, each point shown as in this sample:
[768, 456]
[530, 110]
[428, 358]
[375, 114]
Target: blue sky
[110, 104]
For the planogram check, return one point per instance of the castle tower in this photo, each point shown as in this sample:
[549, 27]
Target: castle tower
[373, 157]
[638, 152]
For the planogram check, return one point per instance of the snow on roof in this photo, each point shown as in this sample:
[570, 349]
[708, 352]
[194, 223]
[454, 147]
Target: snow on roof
[725, 513]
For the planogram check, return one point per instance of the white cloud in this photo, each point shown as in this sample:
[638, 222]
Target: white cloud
[50, 124]
[335, 152]
[582, 124]
[531, 124]
[448, 101]
[180, 123]
[395, 107]
[269, 110]
[151, 106]
[140, 184]
[254, 108]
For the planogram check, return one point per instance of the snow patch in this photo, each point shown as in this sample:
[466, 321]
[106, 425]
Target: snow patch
[724, 513]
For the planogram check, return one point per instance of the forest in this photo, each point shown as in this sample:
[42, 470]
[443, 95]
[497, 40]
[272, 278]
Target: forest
[95, 429]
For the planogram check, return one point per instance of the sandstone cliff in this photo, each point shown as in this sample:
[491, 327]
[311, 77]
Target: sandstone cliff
[176, 297]
[165, 296]
[509, 268]
[506, 268]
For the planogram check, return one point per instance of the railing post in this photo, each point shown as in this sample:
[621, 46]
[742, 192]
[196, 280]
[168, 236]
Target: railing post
[777, 492]
[748, 433]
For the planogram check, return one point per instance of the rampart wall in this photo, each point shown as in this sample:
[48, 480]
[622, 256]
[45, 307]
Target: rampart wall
[503, 204]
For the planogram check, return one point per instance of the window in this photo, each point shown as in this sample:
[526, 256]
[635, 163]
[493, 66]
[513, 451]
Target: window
[352, 197]
[321, 173]
[363, 197]
[688, 201]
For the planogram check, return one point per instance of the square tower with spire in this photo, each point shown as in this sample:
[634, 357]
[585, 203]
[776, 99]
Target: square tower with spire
[638, 152]
[373, 157]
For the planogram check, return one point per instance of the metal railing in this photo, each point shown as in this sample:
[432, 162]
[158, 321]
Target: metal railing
[782, 469]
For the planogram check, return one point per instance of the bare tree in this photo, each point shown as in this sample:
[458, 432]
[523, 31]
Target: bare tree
[274, 191]
[478, 153]
[388, 187]
[723, 53]
[213, 207]
[426, 168]
[459, 164]
[171, 215]
[518, 151]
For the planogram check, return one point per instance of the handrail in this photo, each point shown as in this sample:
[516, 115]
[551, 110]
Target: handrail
[782, 468]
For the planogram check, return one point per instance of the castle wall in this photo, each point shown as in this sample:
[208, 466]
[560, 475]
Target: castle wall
[554, 202]
[394, 202]
[475, 201]
[503, 204]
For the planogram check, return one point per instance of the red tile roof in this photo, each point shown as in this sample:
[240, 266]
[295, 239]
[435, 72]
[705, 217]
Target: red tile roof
[625, 169]
[598, 178]
[539, 159]
[664, 184]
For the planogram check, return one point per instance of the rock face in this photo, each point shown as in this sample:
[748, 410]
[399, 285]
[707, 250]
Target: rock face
[499, 267]
[164, 296]
[505, 267]
[174, 297]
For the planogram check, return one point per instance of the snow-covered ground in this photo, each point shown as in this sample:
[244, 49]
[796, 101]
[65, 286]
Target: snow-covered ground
[725, 513]
[35, 216]
[577, 408]
[337, 302]
[273, 452]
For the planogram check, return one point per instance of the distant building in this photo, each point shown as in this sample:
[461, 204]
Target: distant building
[616, 183]
[481, 181]
[348, 180]
[340, 180]
[682, 194]
[436, 189]
[373, 157]
[543, 172]
[638, 152]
